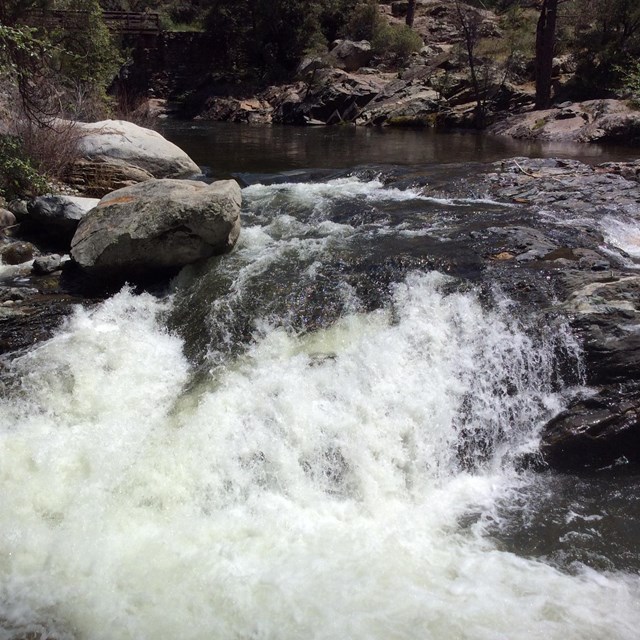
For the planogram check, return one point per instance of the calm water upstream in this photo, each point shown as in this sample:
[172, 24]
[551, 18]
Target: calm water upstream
[315, 436]
[225, 149]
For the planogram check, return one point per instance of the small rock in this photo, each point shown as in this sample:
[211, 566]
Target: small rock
[47, 264]
[17, 253]
[504, 255]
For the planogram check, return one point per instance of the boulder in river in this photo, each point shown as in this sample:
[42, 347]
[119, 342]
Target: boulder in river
[125, 143]
[157, 226]
[56, 218]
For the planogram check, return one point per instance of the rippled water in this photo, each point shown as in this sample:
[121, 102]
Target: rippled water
[318, 435]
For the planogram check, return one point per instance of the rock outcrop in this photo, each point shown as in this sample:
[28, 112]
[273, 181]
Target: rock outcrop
[590, 121]
[564, 252]
[156, 227]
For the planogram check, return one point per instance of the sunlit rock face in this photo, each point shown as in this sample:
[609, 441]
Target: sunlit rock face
[156, 225]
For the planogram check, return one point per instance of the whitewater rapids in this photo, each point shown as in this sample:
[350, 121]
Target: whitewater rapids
[313, 485]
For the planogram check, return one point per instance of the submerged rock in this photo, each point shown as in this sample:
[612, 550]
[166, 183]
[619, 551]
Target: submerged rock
[156, 226]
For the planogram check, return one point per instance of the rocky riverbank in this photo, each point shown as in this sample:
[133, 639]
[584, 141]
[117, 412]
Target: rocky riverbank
[57, 251]
[352, 84]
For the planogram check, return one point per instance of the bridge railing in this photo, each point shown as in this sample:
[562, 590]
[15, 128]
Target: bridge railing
[116, 21]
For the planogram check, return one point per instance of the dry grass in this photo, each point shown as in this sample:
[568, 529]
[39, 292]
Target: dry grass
[52, 146]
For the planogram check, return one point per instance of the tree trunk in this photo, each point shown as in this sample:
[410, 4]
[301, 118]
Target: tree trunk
[411, 12]
[545, 46]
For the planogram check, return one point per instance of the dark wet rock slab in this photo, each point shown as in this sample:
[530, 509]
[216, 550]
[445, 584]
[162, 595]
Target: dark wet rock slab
[599, 433]
[32, 311]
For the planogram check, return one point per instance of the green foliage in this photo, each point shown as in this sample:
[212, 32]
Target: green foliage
[17, 45]
[265, 39]
[603, 35]
[18, 177]
[630, 76]
[398, 40]
[87, 58]
[367, 23]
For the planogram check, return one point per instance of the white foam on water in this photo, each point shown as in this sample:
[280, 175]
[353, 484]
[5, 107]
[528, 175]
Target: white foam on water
[311, 490]
[350, 187]
[317, 194]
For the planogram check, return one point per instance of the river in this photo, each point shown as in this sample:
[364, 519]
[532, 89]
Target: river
[319, 435]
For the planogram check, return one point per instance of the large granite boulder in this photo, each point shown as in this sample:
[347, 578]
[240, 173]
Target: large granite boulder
[126, 143]
[156, 227]
[349, 55]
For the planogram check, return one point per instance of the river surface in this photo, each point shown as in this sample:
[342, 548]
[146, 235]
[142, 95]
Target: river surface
[225, 149]
[319, 435]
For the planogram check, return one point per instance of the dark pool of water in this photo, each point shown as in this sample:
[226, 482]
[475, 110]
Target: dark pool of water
[224, 149]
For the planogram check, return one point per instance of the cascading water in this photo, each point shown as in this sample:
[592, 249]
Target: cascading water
[298, 443]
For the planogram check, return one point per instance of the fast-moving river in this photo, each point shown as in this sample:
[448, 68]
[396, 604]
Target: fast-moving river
[318, 436]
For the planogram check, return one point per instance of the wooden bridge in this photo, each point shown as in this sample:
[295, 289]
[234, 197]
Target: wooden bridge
[126, 22]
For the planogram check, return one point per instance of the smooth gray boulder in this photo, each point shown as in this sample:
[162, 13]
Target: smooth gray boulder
[157, 226]
[56, 217]
[121, 142]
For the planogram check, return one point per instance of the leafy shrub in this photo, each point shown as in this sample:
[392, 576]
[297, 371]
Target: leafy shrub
[630, 77]
[18, 177]
[405, 41]
[367, 23]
